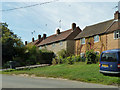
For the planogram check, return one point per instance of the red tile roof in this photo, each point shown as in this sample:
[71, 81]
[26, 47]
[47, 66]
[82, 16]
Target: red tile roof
[36, 42]
[58, 37]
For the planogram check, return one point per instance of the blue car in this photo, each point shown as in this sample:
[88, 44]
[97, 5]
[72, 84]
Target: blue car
[110, 62]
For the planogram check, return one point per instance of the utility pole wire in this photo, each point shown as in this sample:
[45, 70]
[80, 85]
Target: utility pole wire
[29, 6]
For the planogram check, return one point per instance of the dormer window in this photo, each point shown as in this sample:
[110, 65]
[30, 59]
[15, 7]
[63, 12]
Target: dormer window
[96, 38]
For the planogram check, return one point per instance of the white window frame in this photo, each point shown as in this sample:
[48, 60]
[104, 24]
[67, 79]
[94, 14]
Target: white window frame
[82, 41]
[95, 37]
[115, 33]
[82, 54]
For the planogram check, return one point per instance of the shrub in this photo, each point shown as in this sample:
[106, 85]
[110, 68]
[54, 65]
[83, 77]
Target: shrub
[54, 62]
[78, 58]
[97, 58]
[59, 59]
[63, 53]
[91, 57]
[64, 60]
[69, 60]
[6, 65]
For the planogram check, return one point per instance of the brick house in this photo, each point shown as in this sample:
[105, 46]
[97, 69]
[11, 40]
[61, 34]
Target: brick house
[61, 40]
[99, 37]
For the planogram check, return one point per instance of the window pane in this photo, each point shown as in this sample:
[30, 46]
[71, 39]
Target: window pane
[96, 38]
[83, 41]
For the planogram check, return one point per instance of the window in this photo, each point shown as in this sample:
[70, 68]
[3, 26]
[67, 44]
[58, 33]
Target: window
[40, 47]
[82, 55]
[83, 41]
[96, 38]
[61, 42]
[109, 57]
[117, 34]
[53, 45]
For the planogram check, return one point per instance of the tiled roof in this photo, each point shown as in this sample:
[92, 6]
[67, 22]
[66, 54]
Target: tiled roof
[36, 42]
[58, 37]
[97, 29]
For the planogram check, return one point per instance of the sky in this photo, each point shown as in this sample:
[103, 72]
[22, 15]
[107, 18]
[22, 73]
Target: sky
[46, 18]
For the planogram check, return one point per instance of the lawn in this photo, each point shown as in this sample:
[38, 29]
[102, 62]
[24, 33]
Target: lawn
[78, 71]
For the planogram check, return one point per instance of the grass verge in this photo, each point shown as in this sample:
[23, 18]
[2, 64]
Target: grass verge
[78, 71]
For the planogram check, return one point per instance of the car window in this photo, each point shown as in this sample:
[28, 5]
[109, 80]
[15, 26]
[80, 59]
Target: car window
[119, 54]
[109, 57]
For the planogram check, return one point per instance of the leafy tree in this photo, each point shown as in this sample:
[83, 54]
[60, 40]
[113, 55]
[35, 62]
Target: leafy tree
[12, 46]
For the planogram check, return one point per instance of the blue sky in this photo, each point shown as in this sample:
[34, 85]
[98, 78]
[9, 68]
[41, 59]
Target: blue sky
[45, 18]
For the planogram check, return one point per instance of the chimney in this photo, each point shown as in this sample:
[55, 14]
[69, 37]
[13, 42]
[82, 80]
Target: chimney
[116, 15]
[33, 39]
[25, 42]
[58, 31]
[44, 36]
[39, 37]
[73, 26]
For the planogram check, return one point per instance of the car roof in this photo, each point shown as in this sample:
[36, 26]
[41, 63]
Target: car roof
[112, 50]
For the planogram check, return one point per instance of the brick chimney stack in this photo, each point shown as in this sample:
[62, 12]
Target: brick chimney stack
[116, 15]
[39, 37]
[58, 31]
[44, 36]
[25, 42]
[73, 26]
[33, 39]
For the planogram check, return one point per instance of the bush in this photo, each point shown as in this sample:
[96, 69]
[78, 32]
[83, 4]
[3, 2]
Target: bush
[78, 58]
[91, 57]
[6, 65]
[54, 61]
[69, 60]
[63, 53]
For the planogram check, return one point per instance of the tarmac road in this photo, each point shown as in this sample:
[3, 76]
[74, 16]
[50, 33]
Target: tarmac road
[9, 81]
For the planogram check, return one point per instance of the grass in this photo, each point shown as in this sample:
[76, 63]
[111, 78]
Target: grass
[78, 71]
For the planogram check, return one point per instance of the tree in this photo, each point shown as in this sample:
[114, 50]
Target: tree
[12, 46]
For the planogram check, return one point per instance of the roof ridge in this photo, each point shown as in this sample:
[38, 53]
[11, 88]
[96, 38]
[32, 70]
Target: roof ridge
[60, 32]
[100, 23]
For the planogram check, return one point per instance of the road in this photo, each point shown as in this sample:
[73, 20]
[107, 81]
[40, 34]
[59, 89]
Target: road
[9, 81]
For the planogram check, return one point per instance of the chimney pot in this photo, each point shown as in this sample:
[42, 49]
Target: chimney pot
[73, 26]
[39, 37]
[58, 31]
[25, 42]
[44, 36]
[116, 15]
[33, 39]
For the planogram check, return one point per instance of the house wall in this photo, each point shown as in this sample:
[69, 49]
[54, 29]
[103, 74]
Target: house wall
[106, 42]
[112, 43]
[57, 47]
[70, 46]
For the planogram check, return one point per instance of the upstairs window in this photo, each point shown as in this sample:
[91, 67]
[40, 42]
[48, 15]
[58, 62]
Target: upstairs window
[83, 41]
[96, 38]
[117, 34]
